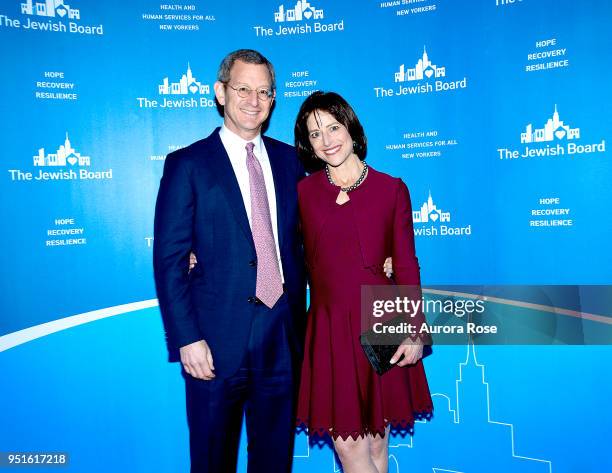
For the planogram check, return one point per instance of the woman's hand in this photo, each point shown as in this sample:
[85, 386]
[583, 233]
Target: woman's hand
[411, 350]
[192, 261]
[388, 267]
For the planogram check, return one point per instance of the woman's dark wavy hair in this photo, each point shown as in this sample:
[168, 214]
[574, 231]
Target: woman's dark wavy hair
[339, 108]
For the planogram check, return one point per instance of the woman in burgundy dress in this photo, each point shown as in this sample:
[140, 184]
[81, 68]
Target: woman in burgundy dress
[352, 217]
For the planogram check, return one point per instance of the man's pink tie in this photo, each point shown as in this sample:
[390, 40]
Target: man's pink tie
[269, 286]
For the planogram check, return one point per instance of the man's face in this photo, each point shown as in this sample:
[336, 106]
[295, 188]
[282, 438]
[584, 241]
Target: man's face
[244, 116]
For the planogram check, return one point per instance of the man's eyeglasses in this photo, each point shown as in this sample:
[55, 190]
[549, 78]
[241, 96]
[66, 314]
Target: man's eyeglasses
[264, 94]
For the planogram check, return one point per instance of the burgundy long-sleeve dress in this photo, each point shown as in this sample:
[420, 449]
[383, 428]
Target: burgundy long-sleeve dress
[346, 246]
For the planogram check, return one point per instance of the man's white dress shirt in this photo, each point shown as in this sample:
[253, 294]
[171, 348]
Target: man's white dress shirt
[236, 150]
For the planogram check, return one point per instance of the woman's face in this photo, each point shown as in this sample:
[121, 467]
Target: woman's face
[329, 138]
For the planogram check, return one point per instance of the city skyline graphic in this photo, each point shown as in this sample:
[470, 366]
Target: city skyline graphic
[429, 212]
[423, 69]
[462, 421]
[553, 128]
[303, 10]
[50, 8]
[64, 155]
[188, 84]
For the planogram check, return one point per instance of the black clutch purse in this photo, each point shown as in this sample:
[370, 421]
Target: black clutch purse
[380, 347]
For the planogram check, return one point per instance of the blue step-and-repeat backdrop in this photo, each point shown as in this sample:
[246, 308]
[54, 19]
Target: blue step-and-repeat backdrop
[496, 113]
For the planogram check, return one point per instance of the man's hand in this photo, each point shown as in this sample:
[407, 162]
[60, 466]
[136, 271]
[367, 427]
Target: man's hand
[192, 261]
[197, 360]
[412, 352]
[387, 267]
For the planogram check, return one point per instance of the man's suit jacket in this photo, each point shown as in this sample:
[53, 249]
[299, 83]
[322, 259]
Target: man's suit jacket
[200, 209]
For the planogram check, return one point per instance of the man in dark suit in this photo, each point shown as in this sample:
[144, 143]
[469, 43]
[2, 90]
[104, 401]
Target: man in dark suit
[235, 321]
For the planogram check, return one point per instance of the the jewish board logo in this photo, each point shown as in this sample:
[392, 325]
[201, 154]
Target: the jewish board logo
[423, 69]
[303, 18]
[51, 8]
[506, 3]
[65, 155]
[303, 10]
[50, 15]
[66, 163]
[430, 221]
[555, 139]
[188, 84]
[187, 92]
[425, 77]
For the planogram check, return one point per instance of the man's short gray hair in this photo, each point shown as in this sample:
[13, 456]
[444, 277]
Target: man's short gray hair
[249, 56]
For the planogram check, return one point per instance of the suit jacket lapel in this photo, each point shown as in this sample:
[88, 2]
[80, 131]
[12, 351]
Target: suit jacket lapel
[228, 182]
[280, 187]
